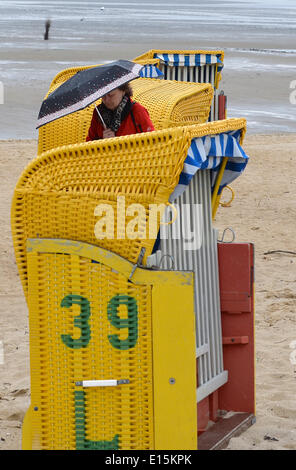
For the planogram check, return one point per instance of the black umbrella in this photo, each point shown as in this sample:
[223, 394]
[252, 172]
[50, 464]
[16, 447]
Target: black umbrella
[85, 87]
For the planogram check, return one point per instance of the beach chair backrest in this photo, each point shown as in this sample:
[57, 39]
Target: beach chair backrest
[171, 103]
[57, 194]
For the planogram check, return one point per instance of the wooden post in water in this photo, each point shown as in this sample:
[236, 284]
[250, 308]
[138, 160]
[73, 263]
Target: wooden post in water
[47, 26]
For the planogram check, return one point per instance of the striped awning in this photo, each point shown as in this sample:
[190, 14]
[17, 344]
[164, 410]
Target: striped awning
[150, 71]
[197, 60]
[207, 153]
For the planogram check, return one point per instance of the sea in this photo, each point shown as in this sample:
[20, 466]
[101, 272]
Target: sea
[258, 39]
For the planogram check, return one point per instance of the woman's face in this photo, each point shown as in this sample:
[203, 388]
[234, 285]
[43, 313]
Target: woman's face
[113, 99]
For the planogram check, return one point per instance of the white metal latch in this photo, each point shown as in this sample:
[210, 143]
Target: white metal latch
[101, 383]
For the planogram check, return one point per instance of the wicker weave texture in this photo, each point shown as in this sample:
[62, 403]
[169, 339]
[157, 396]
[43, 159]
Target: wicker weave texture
[58, 192]
[88, 323]
[169, 103]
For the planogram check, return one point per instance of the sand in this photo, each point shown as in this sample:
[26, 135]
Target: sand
[263, 212]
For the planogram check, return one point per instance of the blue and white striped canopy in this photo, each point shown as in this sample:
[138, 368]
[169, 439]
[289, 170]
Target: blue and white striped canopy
[207, 153]
[150, 71]
[187, 60]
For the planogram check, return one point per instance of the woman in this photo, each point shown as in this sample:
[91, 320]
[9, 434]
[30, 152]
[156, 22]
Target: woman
[120, 114]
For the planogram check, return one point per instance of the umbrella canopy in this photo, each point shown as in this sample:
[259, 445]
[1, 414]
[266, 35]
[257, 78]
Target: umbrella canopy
[85, 87]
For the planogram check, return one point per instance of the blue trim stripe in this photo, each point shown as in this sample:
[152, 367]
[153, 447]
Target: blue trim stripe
[235, 166]
[185, 178]
[197, 60]
[209, 59]
[150, 71]
[176, 60]
[221, 137]
[196, 159]
[207, 153]
[213, 149]
[166, 58]
[190, 59]
[229, 148]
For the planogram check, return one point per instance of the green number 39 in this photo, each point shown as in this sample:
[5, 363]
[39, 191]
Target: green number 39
[81, 321]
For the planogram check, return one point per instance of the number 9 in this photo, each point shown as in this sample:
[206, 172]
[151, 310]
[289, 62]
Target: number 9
[131, 322]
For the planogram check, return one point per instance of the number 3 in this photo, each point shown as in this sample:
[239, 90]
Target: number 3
[80, 322]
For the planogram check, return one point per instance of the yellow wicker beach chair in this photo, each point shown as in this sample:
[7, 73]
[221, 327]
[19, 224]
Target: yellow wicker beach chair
[169, 103]
[107, 346]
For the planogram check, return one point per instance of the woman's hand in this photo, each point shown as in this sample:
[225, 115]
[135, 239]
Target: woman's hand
[107, 133]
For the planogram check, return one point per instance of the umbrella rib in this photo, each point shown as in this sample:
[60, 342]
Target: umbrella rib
[100, 116]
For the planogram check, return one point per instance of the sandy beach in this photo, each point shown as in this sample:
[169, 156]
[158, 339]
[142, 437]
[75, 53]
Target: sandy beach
[263, 212]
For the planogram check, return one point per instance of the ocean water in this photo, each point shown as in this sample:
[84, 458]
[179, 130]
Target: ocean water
[258, 37]
[87, 21]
